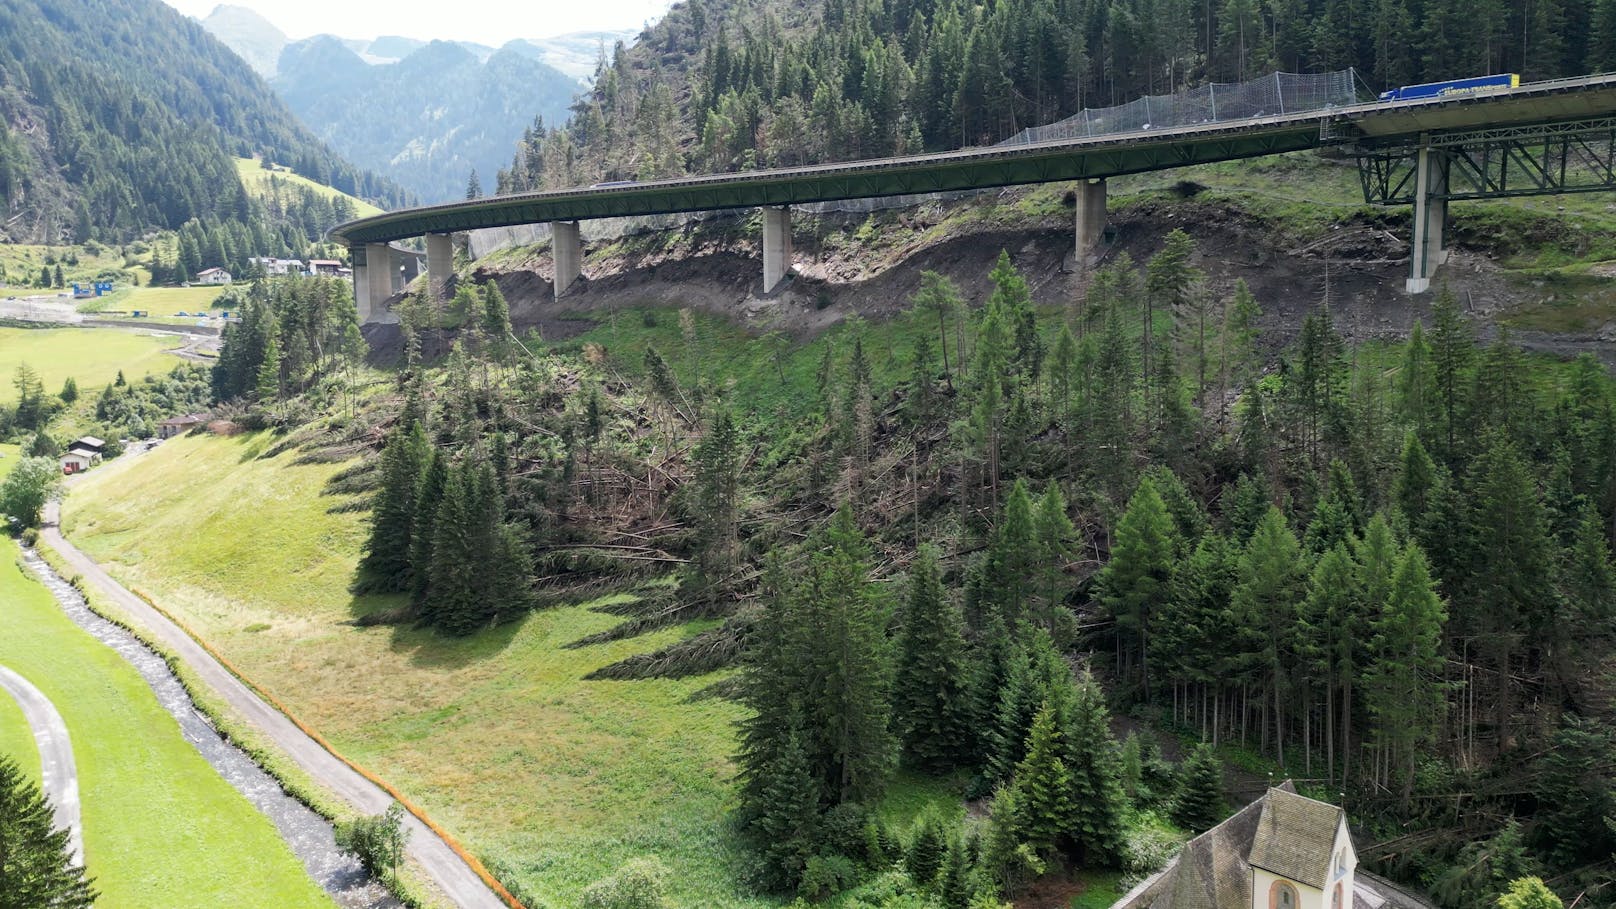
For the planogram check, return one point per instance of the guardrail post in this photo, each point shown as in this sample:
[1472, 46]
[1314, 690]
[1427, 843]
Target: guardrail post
[776, 246]
[1090, 219]
[1430, 216]
[439, 264]
[567, 254]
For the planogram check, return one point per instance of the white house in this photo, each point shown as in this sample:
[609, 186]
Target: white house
[79, 458]
[1283, 851]
[213, 276]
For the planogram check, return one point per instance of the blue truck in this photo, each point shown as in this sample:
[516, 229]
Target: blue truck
[1451, 87]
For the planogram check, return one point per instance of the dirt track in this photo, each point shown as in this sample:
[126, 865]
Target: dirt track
[458, 882]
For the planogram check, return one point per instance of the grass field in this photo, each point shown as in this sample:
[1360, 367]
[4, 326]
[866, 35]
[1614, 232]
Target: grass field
[16, 740]
[161, 827]
[498, 737]
[158, 301]
[256, 179]
[91, 356]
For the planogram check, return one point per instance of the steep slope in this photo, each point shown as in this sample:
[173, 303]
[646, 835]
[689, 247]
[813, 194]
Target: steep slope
[122, 115]
[431, 118]
[254, 38]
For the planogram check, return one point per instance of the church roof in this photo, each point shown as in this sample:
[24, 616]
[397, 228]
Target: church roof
[1283, 832]
[1295, 837]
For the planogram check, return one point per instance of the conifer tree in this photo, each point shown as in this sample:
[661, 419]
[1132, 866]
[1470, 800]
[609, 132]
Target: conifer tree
[1333, 624]
[1091, 760]
[1590, 579]
[1453, 348]
[1134, 582]
[386, 562]
[717, 499]
[269, 369]
[1200, 805]
[783, 822]
[1415, 482]
[1405, 683]
[1265, 604]
[423, 528]
[496, 319]
[1053, 534]
[1013, 299]
[1414, 382]
[931, 692]
[36, 867]
[938, 294]
[849, 667]
[1008, 582]
[1043, 786]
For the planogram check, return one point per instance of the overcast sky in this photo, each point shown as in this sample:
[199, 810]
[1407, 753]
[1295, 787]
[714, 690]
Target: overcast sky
[491, 22]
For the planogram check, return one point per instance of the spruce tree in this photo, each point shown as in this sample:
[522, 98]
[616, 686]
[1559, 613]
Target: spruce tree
[386, 562]
[269, 370]
[931, 692]
[423, 528]
[1009, 578]
[1091, 759]
[1200, 804]
[1264, 605]
[451, 604]
[1053, 535]
[849, 665]
[1134, 582]
[1043, 785]
[496, 318]
[717, 497]
[1405, 683]
[783, 822]
[36, 864]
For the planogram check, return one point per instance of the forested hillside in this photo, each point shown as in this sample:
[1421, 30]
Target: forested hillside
[122, 116]
[721, 85]
[1385, 569]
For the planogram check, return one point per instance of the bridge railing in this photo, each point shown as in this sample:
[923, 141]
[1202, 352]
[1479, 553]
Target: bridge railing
[1214, 102]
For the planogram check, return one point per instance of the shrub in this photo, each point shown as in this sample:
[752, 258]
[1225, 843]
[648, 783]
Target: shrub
[378, 840]
[826, 876]
[636, 885]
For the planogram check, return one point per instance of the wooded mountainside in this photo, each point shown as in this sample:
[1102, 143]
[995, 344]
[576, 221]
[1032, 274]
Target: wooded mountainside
[723, 85]
[1385, 569]
[122, 116]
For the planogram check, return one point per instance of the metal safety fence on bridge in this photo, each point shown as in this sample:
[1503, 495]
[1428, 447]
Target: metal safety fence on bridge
[1214, 102]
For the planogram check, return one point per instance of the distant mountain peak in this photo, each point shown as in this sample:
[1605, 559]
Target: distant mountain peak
[253, 38]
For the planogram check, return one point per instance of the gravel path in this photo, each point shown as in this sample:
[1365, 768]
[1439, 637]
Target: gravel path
[308, 834]
[58, 774]
[452, 875]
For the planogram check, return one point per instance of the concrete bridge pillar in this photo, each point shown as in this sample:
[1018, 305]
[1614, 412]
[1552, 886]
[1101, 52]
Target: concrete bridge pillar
[1090, 219]
[361, 283]
[1430, 217]
[439, 264]
[776, 246]
[380, 271]
[567, 253]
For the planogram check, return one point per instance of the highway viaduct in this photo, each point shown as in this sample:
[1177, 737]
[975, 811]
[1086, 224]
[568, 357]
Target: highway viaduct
[1537, 139]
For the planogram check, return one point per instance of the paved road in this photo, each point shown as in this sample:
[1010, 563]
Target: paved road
[452, 875]
[60, 776]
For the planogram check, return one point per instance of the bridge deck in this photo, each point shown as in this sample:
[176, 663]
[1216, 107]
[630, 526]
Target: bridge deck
[982, 168]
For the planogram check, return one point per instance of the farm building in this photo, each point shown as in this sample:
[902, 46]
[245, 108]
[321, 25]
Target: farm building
[213, 276]
[178, 426]
[80, 458]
